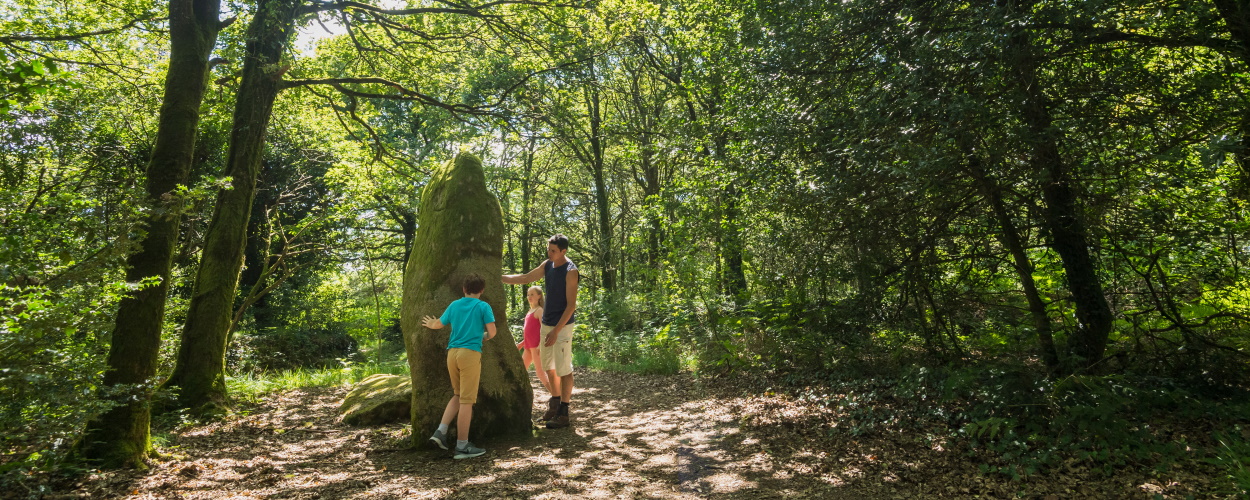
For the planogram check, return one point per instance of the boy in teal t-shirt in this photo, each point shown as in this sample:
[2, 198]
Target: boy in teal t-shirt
[469, 317]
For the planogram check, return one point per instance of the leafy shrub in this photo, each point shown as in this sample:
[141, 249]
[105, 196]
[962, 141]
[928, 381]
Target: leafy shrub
[53, 361]
[662, 363]
[1016, 422]
[392, 332]
[1024, 422]
[787, 335]
[288, 349]
[607, 330]
[616, 333]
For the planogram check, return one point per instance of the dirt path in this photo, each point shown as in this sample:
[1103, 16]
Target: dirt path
[633, 437]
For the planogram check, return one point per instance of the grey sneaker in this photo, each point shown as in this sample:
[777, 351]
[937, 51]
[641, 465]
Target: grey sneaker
[440, 439]
[469, 451]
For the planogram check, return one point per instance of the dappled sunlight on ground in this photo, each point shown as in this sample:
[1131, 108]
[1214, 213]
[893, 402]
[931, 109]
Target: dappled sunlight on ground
[632, 437]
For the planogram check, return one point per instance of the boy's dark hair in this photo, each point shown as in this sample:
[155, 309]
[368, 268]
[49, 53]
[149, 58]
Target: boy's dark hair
[474, 283]
[560, 241]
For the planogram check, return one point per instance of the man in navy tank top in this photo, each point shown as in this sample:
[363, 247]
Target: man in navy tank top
[555, 347]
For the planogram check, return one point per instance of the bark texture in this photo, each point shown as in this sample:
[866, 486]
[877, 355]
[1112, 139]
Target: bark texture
[200, 370]
[1063, 219]
[602, 203]
[1010, 238]
[460, 231]
[122, 436]
[1236, 15]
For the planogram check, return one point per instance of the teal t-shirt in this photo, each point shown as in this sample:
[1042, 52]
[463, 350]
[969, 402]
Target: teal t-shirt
[468, 318]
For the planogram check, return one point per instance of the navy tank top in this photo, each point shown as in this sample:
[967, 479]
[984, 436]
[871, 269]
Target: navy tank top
[557, 295]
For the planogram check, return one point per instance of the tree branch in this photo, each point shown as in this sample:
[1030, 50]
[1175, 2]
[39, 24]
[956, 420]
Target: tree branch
[77, 36]
[1086, 36]
[451, 8]
[404, 93]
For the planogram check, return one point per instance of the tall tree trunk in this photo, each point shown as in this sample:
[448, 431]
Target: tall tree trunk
[409, 227]
[255, 255]
[734, 278]
[403, 215]
[527, 201]
[1010, 238]
[260, 251]
[731, 243]
[651, 196]
[729, 263]
[601, 189]
[200, 370]
[122, 436]
[1236, 14]
[646, 114]
[1068, 236]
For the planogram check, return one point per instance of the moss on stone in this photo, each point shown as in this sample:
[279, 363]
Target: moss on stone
[460, 231]
[378, 399]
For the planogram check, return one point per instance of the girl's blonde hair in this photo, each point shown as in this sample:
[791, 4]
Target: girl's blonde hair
[541, 300]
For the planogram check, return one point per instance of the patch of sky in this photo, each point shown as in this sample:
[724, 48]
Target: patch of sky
[327, 25]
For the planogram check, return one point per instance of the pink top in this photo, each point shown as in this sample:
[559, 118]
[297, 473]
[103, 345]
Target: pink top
[531, 332]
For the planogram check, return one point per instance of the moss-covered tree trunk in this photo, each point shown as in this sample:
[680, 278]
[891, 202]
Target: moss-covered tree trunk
[460, 231]
[599, 175]
[200, 370]
[122, 436]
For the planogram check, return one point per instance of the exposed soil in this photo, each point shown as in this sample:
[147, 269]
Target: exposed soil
[633, 436]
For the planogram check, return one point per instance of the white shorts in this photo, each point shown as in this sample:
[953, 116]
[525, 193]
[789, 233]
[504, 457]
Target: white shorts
[558, 357]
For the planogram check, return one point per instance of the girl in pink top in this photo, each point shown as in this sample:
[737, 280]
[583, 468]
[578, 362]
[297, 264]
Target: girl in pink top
[529, 355]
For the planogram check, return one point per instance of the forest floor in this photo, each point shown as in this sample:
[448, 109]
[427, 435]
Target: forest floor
[633, 436]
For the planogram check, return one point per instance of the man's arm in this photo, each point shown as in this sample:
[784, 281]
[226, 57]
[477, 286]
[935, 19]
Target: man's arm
[570, 293]
[490, 332]
[521, 279]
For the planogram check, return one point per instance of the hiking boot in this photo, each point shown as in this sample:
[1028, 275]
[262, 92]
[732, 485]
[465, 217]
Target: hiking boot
[553, 407]
[468, 451]
[559, 422]
[440, 439]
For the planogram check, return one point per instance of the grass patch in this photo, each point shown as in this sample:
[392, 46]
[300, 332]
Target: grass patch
[250, 386]
[651, 363]
[1233, 456]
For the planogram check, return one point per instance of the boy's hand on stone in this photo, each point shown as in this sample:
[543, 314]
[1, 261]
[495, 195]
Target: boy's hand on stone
[431, 322]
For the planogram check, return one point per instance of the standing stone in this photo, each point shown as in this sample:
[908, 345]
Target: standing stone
[460, 231]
